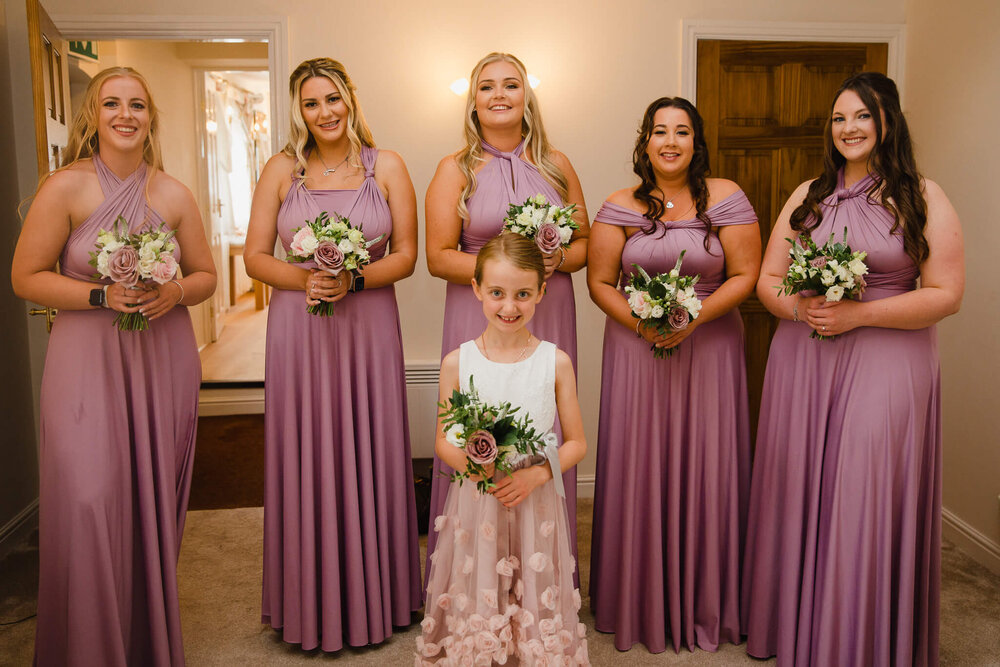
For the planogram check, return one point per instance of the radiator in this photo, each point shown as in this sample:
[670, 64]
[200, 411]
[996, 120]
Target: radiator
[421, 400]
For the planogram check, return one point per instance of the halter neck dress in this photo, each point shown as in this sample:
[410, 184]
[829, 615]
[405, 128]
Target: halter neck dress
[844, 541]
[673, 456]
[341, 561]
[506, 179]
[118, 422]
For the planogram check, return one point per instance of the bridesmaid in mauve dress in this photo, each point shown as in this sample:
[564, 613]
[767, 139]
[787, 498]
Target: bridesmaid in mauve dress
[341, 561]
[118, 408]
[673, 454]
[843, 545]
[507, 159]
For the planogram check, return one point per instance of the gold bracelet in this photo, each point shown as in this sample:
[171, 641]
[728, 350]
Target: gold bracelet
[562, 261]
[637, 324]
[795, 310]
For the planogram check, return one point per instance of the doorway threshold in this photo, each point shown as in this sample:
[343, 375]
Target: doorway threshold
[216, 399]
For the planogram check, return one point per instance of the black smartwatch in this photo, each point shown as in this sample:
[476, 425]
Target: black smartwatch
[98, 298]
[358, 283]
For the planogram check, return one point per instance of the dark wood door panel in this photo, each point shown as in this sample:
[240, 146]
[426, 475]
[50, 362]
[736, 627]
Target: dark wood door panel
[765, 106]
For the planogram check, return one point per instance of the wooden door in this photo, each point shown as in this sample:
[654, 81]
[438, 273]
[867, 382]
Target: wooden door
[48, 52]
[765, 106]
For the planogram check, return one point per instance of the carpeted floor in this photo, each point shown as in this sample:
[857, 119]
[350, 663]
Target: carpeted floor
[220, 573]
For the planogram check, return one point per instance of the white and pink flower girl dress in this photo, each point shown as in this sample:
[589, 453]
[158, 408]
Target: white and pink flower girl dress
[500, 587]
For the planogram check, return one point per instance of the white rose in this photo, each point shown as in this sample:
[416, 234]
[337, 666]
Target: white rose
[637, 302]
[657, 312]
[565, 234]
[455, 435]
[835, 293]
[339, 226]
[308, 244]
[826, 277]
[356, 236]
[346, 246]
[857, 267]
[538, 216]
[102, 263]
[692, 305]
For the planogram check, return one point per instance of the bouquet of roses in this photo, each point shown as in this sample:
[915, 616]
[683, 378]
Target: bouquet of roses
[549, 226]
[667, 301]
[487, 434]
[133, 258]
[833, 269]
[334, 245]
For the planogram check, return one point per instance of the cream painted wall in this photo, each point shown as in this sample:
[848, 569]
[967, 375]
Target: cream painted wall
[952, 97]
[600, 63]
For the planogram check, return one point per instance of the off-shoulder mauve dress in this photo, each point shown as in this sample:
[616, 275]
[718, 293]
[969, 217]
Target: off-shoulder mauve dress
[673, 457]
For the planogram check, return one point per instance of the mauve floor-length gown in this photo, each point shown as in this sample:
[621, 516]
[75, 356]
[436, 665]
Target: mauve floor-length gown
[843, 546]
[341, 560]
[118, 423]
[506, 179]
[673, 457]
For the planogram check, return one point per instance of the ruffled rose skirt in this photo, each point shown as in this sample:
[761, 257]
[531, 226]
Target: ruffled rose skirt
[500, 589]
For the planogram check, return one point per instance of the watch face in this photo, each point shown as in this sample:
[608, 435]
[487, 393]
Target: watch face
[359, 284]
[97, 297]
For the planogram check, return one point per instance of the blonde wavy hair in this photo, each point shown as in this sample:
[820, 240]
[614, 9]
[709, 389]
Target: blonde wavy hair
[83, 140]
[532, 130]
[300, 139]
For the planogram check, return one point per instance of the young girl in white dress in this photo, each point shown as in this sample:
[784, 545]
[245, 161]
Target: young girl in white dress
[500, 588]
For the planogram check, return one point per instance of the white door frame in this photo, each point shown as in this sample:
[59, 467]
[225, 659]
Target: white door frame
[693, 30]
[272, 29]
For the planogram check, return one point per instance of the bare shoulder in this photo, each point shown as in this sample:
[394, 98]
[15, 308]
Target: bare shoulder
[933, 192]
[165, 185]
[450, 362]
[720, 188]
[389, 163]
[799, 195]
[279, 163]
[563, 363]
[448, 171]
[70, 180]
[560, 160]
[624, 197]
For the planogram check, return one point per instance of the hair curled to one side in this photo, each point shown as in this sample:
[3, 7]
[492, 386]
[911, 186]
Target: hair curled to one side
[299, 138]
[898, 183]
[83, 140]
[532, 129]
[520, 251]
[698, 170]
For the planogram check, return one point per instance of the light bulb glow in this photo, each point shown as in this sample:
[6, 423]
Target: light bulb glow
[211, 126]
[459, 86]
[533, 80]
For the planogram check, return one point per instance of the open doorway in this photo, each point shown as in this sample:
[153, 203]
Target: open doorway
[216, 119]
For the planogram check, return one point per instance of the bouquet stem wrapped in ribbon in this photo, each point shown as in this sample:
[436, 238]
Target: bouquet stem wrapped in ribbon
[833, 270]
[334, 245]
[490, 433]
[666, 301]
[131, 259]
[550, 226]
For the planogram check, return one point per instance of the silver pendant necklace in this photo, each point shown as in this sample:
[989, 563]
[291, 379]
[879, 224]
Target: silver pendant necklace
[519, 357]
[670, 202]
[333, 170]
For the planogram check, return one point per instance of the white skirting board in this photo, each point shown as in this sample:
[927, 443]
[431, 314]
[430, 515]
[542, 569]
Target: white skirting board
[970, 541]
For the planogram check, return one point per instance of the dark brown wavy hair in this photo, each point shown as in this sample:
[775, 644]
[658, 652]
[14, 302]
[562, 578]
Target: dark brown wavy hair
[898, 183]
[698, 170]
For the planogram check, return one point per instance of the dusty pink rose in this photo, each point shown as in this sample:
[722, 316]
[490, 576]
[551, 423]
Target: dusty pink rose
[461, 601]
[538, 561]
[506, 634]
[504, 568]
[546, 528]
[497, 621]
[581, 656]
[329, 257]
[303, 242]
[551, 643]
[565, 638]
[577, 601]
[818, 263]
[519, 589]
[123, 266]
[467, 565]
[548, 238]
[549, 597]
[547, 627]
[581, 630]
[489, 597]
[461, 537]
[481, 447]
[526, 619]
[428, 624]
[487, 642]
[477, 623]
[679, 318]
[444, 601]
[439, 523]
[165, 269]
[488, 530]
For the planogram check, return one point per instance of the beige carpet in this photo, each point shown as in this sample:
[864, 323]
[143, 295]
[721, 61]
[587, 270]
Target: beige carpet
[220, 606]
